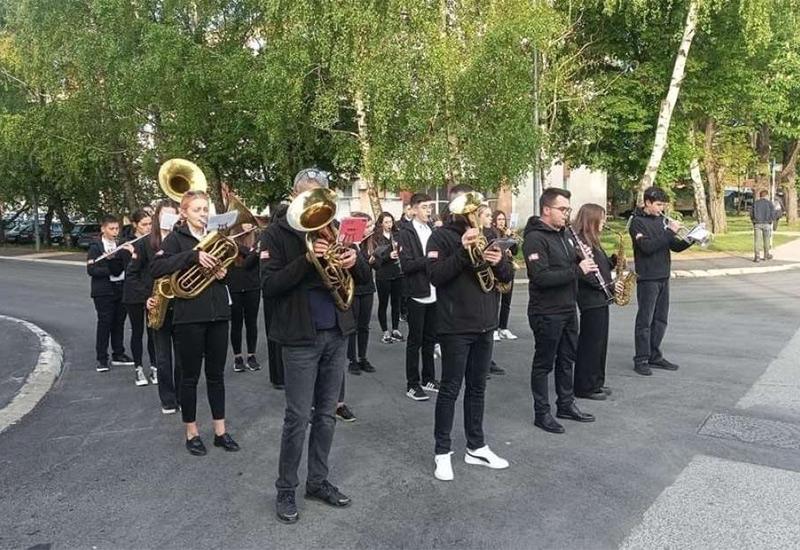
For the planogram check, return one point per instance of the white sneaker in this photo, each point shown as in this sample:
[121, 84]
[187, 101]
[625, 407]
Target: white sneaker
[507, 334]
[485, 457]
[153, 376]
[496, 336]
[437, 351]
[444, 468]
[140, 379]
[165, 410]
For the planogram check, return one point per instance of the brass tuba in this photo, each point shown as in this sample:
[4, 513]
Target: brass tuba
[623, 297]
[312, 212]
[176, 177]
[467, 205]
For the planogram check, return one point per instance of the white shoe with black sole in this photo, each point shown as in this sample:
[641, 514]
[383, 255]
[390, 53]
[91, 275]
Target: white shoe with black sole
[431, 386]
[485, 457]
[444, 467]
[140, 379]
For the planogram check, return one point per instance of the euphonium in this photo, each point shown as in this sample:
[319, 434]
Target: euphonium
[312, 212]
[623, 297]
[467, 205]
[175, 177]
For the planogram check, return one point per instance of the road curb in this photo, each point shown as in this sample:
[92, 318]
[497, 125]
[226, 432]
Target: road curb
[47, 370]
[42, 260]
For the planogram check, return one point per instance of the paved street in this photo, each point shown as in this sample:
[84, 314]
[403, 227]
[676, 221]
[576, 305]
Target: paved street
[97, 465]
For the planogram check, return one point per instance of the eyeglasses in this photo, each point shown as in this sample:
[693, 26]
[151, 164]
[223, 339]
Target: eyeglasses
[562, 209]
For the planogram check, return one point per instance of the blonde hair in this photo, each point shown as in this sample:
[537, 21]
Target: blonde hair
[189, 196]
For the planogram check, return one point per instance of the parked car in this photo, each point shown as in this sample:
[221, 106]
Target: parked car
[83, 234]
[23, 233]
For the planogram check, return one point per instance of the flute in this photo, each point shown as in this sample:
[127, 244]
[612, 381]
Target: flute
[112, 252]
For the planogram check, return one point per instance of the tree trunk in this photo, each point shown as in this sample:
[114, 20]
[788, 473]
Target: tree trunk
[58, 206]
[665, 115]
[454, 157]
[216, 190]
[128, 182]
[364, 145]
[48, 220]
[763, 148]
[716, 190]
[700, 208]
[789, 179]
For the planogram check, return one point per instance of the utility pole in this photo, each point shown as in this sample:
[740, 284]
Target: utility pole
[36, 237]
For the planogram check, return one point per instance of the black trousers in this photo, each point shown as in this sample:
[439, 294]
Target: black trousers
[421, 336]
[274, 354]
[136, 314]
[464, 357]
[505, 308]
[590, 358]
[169, 371]
[389, 291]
[357, 342]
[651, 319]
[556, 339]
[244, 310]
[110, 324]
[196, 342]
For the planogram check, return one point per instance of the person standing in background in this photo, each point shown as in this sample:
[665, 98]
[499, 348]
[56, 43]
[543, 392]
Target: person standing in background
[388, 275]
[136, 290]
[244, 285]
[762, 215]
[501, 229]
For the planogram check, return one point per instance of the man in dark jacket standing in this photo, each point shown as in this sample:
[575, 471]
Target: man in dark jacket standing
[313, 334]
[762, 216]
[421, 294]
[554, 267]
[653, 238]
[466, 320]
[107, 278]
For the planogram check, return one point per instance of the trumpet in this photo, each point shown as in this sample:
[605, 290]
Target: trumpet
[467, 205]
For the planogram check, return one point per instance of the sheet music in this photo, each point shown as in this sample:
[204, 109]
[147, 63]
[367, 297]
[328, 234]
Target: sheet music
[167, 220]
[699, 233]
[221, 222]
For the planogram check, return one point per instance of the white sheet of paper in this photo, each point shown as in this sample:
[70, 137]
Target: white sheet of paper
[222, 221]
[167, 220]
[513, 220]
[699, 233]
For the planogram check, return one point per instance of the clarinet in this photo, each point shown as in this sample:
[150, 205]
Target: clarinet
[588, 254]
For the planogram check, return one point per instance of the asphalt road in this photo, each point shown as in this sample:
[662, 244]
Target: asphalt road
[96, 465]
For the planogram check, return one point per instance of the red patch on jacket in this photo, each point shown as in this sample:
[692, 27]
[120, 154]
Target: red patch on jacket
[433, 254]
[264, 255]
[533, 257]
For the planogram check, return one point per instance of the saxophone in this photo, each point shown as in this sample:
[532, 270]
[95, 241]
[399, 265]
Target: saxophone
[623, 297]
[162, 294]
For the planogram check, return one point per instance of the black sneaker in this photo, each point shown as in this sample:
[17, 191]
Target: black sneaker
[495, 369]
[238, 364]
[121, 360]
[102, 366]
[252, 363]
[286, 507]
[643, 369]
[397, 336]
[344, 413]
[354, 368]
[365, 365]
[417, 394]
[328, 494]
[663, 364]
[387, 338]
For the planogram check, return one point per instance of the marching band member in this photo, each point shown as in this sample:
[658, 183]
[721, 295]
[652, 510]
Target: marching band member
[653, 238]
[313, 334]
[413, 237]
[200, 324]
[107, 276]
[466, 318]
[388, 275]
[362, 310]
[553, 269]
[485, 219]
[593, 303]
[167, 363]
[501, 229]
[135, 291]
[244, 285]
